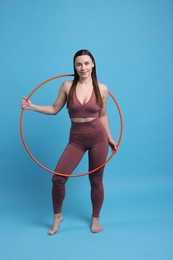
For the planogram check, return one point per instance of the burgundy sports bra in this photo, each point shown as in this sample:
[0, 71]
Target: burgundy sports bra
[90, 109]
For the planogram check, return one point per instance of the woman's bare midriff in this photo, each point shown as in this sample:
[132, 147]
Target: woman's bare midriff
[82, 119]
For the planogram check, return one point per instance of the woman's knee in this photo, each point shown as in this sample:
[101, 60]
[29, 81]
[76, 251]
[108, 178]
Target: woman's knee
[96, 179]
[59, 180]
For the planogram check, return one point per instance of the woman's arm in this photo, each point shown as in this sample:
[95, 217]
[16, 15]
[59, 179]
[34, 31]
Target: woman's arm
[104, 119]
[50, 109]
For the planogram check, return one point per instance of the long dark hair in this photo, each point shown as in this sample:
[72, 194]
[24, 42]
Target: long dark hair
[76, 78]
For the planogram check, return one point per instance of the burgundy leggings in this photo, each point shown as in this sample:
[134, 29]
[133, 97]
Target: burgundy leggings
[89, 136]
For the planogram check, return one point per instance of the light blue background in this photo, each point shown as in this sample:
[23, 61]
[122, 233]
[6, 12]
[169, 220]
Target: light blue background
[132, 42]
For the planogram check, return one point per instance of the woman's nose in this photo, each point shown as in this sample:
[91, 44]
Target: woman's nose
[83, 66]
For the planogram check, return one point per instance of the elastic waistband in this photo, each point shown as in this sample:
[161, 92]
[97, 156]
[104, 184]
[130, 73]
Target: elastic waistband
[85, 126]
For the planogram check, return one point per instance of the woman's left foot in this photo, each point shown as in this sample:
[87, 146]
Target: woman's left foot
[95, 227]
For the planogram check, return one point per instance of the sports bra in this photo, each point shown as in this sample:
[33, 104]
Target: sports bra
[89, 109]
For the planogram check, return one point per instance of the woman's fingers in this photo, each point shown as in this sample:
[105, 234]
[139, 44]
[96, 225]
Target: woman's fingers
[25, 103]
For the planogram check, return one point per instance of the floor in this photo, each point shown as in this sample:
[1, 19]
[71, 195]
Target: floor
[137, 221]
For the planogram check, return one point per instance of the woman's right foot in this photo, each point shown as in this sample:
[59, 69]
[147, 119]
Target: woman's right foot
[56, 221]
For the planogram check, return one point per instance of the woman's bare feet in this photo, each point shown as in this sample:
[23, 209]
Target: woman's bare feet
[95, 227]
[57, 219]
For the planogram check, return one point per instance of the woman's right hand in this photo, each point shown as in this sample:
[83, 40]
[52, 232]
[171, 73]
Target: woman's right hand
[26, 104]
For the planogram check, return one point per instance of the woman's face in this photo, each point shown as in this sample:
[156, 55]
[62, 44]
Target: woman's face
[83, 65]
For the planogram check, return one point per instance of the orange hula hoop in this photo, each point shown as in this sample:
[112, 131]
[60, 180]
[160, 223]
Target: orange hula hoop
[65, 174]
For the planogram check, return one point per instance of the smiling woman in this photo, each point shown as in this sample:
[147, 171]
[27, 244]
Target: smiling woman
[86, 102]
[85, 73]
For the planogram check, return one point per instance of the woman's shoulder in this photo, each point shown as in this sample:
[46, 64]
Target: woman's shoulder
[103, 88]
[66, 85]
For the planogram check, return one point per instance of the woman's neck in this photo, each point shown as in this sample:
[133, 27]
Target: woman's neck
[86, 81]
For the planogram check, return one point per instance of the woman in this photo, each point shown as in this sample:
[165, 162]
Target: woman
[86, 103]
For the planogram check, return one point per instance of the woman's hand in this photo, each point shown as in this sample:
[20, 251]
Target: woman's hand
[113, 145]
[26, 104]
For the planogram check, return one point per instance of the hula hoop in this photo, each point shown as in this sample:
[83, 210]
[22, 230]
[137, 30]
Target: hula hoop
[65, 174]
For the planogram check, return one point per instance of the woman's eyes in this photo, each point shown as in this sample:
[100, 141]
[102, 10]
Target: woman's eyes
[79, 64]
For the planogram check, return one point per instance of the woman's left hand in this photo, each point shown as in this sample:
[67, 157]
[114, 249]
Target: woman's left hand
[113, 145]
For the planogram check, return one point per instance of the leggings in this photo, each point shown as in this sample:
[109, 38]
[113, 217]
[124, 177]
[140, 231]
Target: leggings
[89, 136]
